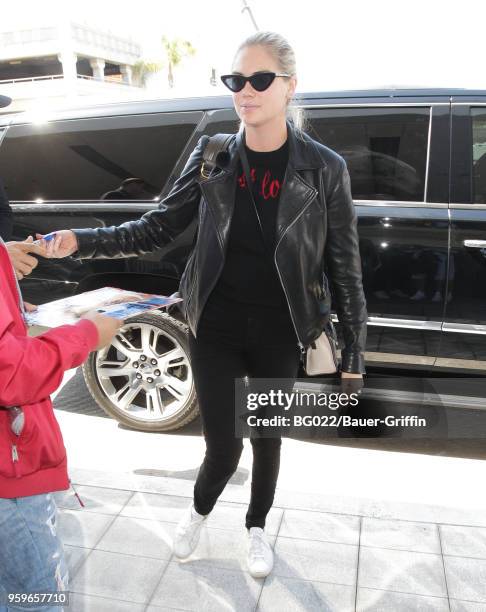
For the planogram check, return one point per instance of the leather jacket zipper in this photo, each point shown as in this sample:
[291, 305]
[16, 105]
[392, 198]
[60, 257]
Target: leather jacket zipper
[193, 256]
[301, 346]
[216, 277]
[213, 284]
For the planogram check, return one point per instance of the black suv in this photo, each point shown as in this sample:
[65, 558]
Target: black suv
[417, 160]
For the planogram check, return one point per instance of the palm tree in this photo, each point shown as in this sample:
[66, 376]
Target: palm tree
[176, 50]
[142, 69]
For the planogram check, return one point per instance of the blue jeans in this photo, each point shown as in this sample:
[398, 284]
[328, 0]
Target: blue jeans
[31, 552]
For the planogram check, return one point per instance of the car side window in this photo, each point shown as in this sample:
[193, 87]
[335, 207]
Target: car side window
[478, 116]
[385, 148]
[221, 127]
[122, 158]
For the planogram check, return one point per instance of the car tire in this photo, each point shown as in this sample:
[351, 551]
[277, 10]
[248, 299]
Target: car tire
[144, 378]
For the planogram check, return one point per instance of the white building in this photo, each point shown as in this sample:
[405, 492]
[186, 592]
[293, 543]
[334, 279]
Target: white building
[50, 65]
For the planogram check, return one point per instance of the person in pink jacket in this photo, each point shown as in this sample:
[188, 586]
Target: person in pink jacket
[33, 460]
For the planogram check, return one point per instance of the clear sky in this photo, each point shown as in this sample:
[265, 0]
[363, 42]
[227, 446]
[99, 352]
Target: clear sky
[339, 45]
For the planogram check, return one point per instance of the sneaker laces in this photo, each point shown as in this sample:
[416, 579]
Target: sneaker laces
[191, 521]
[257, 545]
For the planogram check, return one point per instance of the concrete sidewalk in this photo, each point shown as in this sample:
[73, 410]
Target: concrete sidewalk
[368, 525]
[120, 556]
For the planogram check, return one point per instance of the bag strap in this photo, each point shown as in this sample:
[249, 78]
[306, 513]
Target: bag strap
[246, 170]
[215, 154]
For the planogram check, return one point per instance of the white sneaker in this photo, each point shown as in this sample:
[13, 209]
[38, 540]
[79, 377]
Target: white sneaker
[260, 554]
[187, 532]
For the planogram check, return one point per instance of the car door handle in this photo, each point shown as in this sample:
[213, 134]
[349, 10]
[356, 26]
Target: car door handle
[475, 244]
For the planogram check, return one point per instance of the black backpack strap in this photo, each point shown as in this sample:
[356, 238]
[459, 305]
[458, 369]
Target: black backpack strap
[215, 153]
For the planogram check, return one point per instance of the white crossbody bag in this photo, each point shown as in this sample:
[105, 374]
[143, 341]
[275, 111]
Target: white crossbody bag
[321, 356]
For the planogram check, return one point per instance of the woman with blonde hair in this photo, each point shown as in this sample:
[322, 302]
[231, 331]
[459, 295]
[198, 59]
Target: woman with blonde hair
[255, 290]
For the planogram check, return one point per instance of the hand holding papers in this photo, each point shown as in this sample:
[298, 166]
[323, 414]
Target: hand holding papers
[116, 303]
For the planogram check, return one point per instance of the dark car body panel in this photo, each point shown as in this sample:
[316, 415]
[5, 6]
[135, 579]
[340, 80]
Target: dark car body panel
[413, 173]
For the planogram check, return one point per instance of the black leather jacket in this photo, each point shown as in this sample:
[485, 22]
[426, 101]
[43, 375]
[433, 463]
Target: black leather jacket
[316, 239]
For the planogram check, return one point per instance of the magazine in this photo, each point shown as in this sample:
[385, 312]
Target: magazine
[117, 303]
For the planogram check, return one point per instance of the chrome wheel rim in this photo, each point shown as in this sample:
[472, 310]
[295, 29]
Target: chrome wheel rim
[145, 373]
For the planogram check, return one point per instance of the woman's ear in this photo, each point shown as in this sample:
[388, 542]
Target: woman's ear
[292, 88]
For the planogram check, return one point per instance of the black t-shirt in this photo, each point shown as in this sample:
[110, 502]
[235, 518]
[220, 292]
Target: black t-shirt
[249, 276]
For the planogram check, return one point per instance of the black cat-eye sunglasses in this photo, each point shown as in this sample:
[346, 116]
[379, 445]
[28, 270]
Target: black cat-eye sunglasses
[259, 81]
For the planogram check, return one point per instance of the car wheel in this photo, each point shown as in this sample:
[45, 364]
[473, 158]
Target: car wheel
[144, 377]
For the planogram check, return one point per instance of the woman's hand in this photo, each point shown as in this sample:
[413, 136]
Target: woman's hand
[63, 244]
[30, 307]
[107, 327]
[21, 258]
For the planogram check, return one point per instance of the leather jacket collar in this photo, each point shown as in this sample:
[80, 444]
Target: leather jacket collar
[296, 192]
[303, 155]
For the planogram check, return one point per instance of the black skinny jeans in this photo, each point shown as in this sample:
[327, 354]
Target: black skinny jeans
[233, 342]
